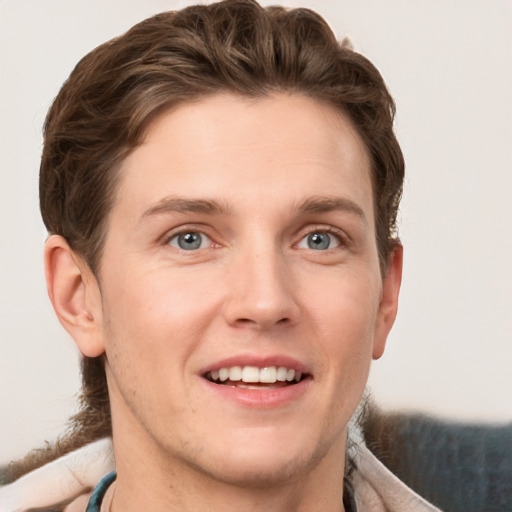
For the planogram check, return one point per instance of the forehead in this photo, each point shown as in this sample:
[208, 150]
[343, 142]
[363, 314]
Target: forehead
[281, 149]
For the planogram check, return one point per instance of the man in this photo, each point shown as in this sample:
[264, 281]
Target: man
[220, 186]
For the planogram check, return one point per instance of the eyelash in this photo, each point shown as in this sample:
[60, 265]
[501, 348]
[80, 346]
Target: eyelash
[184, 231]
[339, 235]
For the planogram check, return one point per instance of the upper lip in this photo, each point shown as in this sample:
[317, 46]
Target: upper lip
[260, 361]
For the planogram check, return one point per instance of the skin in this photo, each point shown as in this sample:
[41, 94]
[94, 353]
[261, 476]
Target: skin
[279, 169]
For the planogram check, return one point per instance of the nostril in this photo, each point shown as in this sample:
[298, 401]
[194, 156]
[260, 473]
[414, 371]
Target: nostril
[249, 322]
[245, 321]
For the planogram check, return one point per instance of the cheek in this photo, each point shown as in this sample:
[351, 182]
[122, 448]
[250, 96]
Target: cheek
[344, 307]
[152, 321]
[157, 304]
[344, 322]
[156, 319]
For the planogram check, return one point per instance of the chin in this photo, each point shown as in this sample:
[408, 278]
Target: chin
[263, 473]
[266, 464]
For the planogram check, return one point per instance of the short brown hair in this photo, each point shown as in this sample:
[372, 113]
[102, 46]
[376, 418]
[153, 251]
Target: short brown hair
[105, 107]
[103, 110]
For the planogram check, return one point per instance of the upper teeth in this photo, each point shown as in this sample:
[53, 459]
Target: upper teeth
[269, 374]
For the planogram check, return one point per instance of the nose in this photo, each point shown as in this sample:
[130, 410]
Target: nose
[261, 292]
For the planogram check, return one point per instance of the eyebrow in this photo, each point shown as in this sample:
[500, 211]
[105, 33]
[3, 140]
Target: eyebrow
[328, 204]
[179, 205]
[316, 204]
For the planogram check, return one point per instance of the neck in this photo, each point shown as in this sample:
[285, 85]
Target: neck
[172, 485]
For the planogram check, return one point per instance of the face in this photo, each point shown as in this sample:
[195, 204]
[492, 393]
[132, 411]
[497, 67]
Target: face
[241, 297]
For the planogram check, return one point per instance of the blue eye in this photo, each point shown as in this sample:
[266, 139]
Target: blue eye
[319, 241]
[190, 241]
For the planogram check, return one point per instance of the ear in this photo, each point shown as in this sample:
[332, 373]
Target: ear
[75, 295]
[388, 306]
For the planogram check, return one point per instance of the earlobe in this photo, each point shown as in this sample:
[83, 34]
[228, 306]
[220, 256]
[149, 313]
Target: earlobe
[75, 295]
[388, 306]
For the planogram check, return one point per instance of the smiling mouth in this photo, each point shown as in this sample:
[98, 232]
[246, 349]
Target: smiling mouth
[252, 377]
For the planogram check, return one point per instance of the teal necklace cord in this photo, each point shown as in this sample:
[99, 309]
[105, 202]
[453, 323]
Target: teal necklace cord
[99, 492]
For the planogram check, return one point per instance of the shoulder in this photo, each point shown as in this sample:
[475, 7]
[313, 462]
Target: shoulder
[66, 480]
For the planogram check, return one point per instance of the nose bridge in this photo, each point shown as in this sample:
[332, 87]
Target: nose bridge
[261, 292]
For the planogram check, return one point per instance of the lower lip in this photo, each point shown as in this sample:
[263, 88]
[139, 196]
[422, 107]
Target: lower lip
[260, 398]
